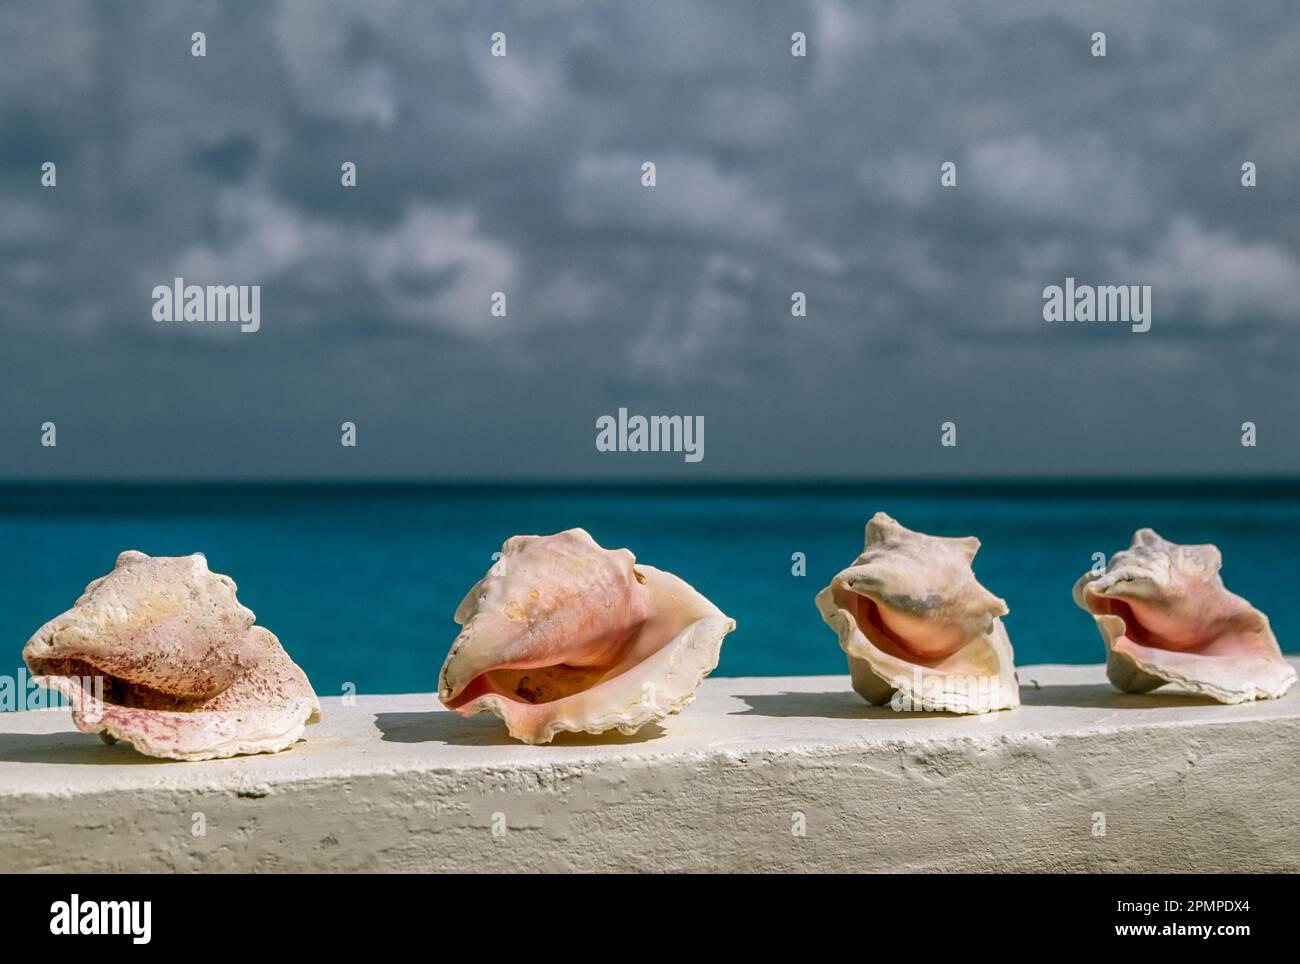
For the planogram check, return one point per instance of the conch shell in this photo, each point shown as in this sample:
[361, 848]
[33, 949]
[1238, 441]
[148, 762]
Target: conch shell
[1166, 617]
[160, 653]
[920, 632]
[563, 635]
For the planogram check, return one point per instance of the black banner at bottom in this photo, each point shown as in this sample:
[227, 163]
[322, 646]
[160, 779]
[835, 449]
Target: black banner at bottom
[334, 913]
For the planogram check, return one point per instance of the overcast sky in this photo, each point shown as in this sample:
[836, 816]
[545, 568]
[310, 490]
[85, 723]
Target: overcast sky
[774, 174]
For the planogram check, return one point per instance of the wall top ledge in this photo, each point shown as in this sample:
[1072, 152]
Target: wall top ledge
[41, 755]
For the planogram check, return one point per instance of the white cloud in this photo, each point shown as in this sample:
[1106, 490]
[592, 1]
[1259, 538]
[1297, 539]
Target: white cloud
[313, 41]
[692, 196]
[1081, 180]
[428, 246]
[432, 268]
[1219, 278]
[694, 328]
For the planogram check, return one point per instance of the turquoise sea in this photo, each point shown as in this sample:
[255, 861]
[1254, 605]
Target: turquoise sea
[360, 582]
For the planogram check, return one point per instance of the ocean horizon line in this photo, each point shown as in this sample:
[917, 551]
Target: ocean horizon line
[1048, 486]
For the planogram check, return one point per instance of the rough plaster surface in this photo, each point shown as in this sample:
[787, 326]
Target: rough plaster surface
[397, 783]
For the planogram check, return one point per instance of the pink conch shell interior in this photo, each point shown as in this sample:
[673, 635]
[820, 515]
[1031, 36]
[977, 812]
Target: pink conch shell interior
[1166, 617]
[160, 653]
[563, 635]
[911, 616]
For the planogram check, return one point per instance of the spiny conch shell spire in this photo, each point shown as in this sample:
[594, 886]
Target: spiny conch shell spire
[920, 632]
[159, 653]
[1165, 616]
[564, 635]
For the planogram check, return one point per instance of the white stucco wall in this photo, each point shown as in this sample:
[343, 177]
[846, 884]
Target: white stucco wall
[397, 783]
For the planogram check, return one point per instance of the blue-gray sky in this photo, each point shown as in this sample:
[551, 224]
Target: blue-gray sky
[523, 174]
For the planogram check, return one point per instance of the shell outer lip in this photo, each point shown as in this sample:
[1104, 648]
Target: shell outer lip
[1130, 672]
[632, 714]
[274, 728]
[920, 688]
